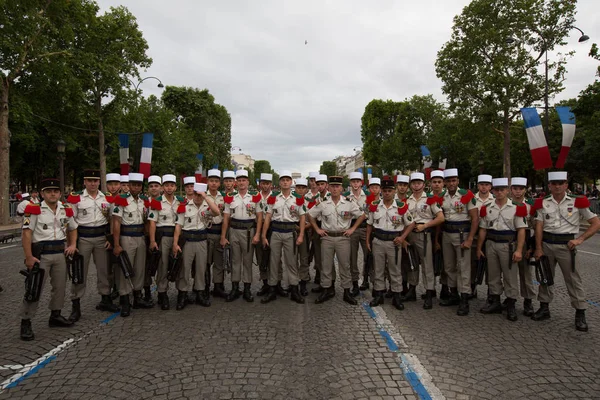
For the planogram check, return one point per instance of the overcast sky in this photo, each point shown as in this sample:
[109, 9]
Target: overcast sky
[298, 104]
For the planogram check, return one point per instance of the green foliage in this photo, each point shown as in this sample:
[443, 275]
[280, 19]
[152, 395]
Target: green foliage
[328, 168]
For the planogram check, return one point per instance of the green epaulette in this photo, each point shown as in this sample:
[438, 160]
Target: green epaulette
[143, 197]
[180, 198]
[222, 193]
[529, 201]
[399, 203]
[296, 195]
[462, 192]
[346, 194]
[125, 195]
[376, 202]
[547, 197]
[275, 194]
[573, 196]
[367, 192]
[159, 198]
[252, 193]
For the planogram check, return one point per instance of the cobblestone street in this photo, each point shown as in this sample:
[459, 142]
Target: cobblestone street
[284, 350]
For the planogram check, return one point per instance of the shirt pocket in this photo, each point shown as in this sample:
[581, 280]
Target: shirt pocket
[85, 214]
[328, 215]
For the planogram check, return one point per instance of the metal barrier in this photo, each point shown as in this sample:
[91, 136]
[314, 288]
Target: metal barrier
[595, 206]
[13, 208]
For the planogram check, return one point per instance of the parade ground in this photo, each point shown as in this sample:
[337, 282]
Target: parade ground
[285, 350]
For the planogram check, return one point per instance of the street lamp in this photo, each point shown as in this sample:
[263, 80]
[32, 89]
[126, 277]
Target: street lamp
[365, 175]
[60, 149]
[160, 84]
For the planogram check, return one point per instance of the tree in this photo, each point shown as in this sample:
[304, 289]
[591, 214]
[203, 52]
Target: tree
[490, 79]
[34, 33]
[328, 168]
[262, 167]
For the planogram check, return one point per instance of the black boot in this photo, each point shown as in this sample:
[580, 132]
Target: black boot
[332, 287]
[473, 294]
[511, 312]
[139, 301]
[219, 290]
[404, 287]
[106, 304]
[444, 293]
[295, 294]
[181, 300]
[397, 301]
[270, 296]
[57, 320]
[164, 301]
[75, 310]
[264, 289]
[318, 289]
[148, 295]
[355, 289]
[429, 295]
[191, 296]
[125, 306]
[235, 292]
[452, 300]
[377, 298]
[580, 323]
[317, 277]
[248, 293]
[542, 313]
[463, 307]
[504, 303]
[303, 290]
[202, 298]
[389, 294]
[528, 307]
[114, 293]
[280, 290]
[493, 307]
[26, 330]
[424, 295]
[326, 294]
[365, 283]
[348, 298]
[411, 294]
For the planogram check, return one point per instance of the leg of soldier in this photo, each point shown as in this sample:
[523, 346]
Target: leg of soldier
[58, 281]
[276, 244]
[342, 252]
[200, 255]
[290, 263]
[327, 247]
[216, 258]
[510, 271]
[526, 275]
[572, 278]
[379, 263]
[303, 271]
[393, 267]
[184, 280]
[28, 310]
[237, 238]
[260, 253]
[317, 243]
[412, 275]
[450, 257]
[128, 243]
[139, 265]
[493, 251]
[85, 247]
[425, 258]
[464, 267]
[354, 243]
[166, 245]
[248, 257]
[101, 261]
[546, 293]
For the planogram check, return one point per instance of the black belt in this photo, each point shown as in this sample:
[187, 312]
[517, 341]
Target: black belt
[501, 236]
[166, 231]
[92, 231]
[283, 227]
[52, 246]
[557, 238]
[335, 234]
[362, 224]
[132, 230]
[457, 226]
[426, 230]
[242, 223]
[215, 229]
[386, 235]
[194, 236]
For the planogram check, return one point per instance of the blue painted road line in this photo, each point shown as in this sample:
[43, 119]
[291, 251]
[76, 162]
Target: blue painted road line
[31, 372]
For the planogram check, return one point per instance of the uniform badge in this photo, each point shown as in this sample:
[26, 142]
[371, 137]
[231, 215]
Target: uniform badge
[189, 219]
[26, 221]
[130, 215]
[45, 227]
[116, 209]
[491, 224]
[84, 212]
[409, 217]
[547, 216]
[570, 211]
[164, 217]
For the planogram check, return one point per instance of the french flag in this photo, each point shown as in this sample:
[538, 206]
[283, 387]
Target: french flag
[146, 156]
[567, 119]
[537, 141]
[198, 173]
[124, 153]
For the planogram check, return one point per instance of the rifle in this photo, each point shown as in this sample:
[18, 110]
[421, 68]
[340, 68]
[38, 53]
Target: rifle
[126, 267]
[481, 270]
[543, 272]
[75, 268]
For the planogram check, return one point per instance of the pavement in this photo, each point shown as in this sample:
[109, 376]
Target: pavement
[284, 350]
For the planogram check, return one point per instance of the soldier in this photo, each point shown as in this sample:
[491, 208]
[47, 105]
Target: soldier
[391, 223]
[359, 237]
[188, 187]
[518, 188]
[113, 187]
[313, 200]
[483, 195]
[437, 194]
[161, 230]
[90, 211]
[26, 200]
[154, 186]
[191, 226]
[426, 214]
[215, 251]
[229, 181]
[336, 213]
[129, 216]
[410, 278]
[557, 220]
[46, 227]
[240, 215]
[303, 250]
[262, 254]
[124, 183]
[284, 214]
[459, 229]
[502, 222]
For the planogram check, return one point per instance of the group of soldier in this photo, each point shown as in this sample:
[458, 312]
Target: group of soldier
[403, 230]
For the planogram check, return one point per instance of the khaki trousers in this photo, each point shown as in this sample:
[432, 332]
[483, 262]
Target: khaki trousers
[282, 246]
[135, 246]
[241, 257]
[87, 247]
[457, 262]
[166, 249]
[358, 238]
[303, 269]
[560, 253]
[384, 252]
[526, 275]
[215, 257]
[55, 266]
[332, 247]
[501, 269]
[316, 240]
[408, 275]
[425, 257]
[194, 257]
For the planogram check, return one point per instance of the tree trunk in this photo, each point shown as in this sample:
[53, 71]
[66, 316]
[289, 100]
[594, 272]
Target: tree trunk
[506, 127]
[101, 144]
[4, 154]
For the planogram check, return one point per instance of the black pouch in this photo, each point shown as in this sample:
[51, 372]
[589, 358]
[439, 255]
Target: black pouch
[481, 270]
[227, 259]
[152, 261]
[175, 263]
[438, 263]
[75, 268]
[543, 272]
[34, 279]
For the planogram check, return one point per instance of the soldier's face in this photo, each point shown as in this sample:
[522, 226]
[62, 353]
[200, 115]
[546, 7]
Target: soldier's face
[154, 189]
[242, 183]
[285, 182]
[169, 188]
[228, 183]
[135, 188]
[451, 184]
[375, 189]
[113, 187]
[189, 189]
[417, 186]
[322, 186]
[484, 188]
[356, 184]
[124, 187]
[51, 196]
[312, 183]
[558, 187]
[517, 191]
[335, 190]
[91, 185]
[501, 192]
[388, 194]
[437, 184]
[266, 186]
[402, 187]
[301, 189]
[214, 183]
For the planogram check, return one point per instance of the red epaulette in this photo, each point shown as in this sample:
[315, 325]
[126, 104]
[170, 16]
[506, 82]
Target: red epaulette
[33, 209]
[299, 201]
[110, 199]
[582, 202]
[403, 208]
[370, 198]
[537, 205]
[271, 200]
[311, 204]
[521, 210]
[121, 201]
[482, 211]
[69, 212]
[181, 207]
[467, 197]
[228, 198]
[372, 207]
[73, 198]
[155, 205]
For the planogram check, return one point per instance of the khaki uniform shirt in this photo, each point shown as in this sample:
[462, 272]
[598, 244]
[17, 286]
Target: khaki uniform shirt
[49, 225]
[242, 207]
[219, 201]
[562, 217]
[134, 213]
[389, 218]
[454, 209]
[479, 201]
[262, 206]
[336, 217]
[420, 211]
[501, 219]
[195, 217]
[91, 212]
[167, 215]
[286, 209]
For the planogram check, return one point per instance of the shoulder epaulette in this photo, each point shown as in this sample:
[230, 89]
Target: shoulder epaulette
[296, 195]
[252, 192]
[529, 201]
[346, 194]
[521, 210]
[367, 192]
[483, 211]
[68, 210]
[222, 193]
[125, 195]
[33, 209]
[74, 197]
[548, 196]
[156, 204]
[121, 200]
[181, 207]
[272, 198]
[274, 193]
[256, 197]
[180, 198]
[466, 196]
[143, 197]
[582, 202]
[402, 207]
[373, 205]
[515, 203]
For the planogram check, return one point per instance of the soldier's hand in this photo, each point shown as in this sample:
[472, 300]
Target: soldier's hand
[466, 244]
[405, 245]
[321, 232]
[256, 239]
[420, 227]
[176, 249]
[437, 246]
[153, 245]
[265, 242]
[517, 256]
[574, 243]
[30, 261]
[107, 245]
[299, 240]
[538, 253]
[69, 251]
[117, 250]
[480, 254]
[224, 242]
[349, 232]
